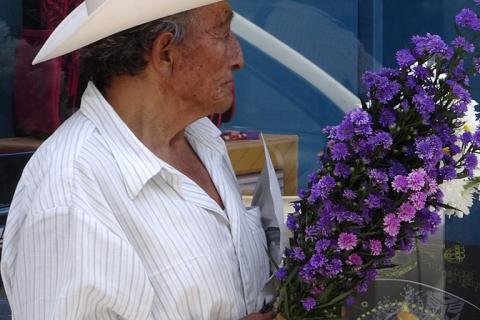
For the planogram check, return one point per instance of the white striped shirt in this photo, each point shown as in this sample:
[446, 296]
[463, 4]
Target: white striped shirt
[101, 228]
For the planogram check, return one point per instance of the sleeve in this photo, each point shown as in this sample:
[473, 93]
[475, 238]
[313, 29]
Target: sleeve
[65, 265]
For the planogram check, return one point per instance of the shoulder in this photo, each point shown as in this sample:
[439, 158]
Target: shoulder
[47, 180]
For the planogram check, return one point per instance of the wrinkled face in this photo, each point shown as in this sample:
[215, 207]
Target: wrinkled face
[202, 73]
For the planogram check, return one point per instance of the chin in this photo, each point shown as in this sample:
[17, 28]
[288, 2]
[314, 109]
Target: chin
[223, 106]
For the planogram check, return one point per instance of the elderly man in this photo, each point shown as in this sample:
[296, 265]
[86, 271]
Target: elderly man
[131, 209]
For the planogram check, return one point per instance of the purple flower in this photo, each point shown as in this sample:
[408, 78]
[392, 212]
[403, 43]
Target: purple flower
[345, 131]
[424, 104]
[468, 19]
[373, 201]
[362, 122]
[302, 193]
[339, 151]
[389, 73]
[354, 260]
[292, 223]
[372, 80]
[318, 260]
[309, 303]
[400, 184]
[418, 199]
[411, 84]
[312, 177]
[322, 188]
[371, 274]
[422, 72]
[386, 93]
[297, 206]
[396, 169]
[406, 212]
[375, 247]
[312, 232]
[298, 254]
[476, 64]
[307, 273]
[459, 74]
[466, 137]
[430, 44]
[405, 58]
[471, 163]
[350, 301]
[387, 117]
[281, 274]
[362, 287]
[459, 91]
[333, 268]
[383, 139]
[384, 89]
[460, 108]
[391, 224]
[361, 147]
[359, 117]
[390, 242]
[432, 187]
[476, 139]
[349, 194]
[462, 43]
[322, 245]
[347, 241]
[378, 176]
[448, 173]
[342, 170]
[429, 149]
[343, 215]
[416, 179]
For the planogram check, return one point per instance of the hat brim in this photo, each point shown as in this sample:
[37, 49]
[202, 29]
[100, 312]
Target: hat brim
[80, 29]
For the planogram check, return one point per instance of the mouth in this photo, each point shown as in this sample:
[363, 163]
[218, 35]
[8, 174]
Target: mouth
[227, 83]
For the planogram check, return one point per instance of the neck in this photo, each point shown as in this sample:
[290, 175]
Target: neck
[155, 117]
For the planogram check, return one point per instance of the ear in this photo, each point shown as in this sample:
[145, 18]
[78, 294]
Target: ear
[161, 56]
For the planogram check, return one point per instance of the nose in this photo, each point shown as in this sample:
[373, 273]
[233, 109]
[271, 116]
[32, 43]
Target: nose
[236, 54]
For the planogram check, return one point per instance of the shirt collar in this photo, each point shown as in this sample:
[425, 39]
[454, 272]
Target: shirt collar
[205, 133]
[136, 162]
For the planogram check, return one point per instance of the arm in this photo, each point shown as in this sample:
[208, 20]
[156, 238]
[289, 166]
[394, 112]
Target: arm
[63, 264]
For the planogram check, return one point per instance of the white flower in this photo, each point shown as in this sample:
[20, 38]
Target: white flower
[470, 118]
[455, 195]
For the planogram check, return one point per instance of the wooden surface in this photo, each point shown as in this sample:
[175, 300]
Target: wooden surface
[247, 157]
[11, 145]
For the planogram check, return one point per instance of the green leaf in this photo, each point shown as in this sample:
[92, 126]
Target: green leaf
[275, 264]
[292, 274]
[475, 182]
[446, 206]
[336, 299]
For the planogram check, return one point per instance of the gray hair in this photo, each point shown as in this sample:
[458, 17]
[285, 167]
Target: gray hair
[123, 53]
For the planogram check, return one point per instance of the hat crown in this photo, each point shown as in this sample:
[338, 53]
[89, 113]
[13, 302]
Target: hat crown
[92, 5]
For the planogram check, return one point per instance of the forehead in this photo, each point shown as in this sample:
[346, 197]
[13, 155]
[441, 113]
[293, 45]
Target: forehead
[214, 15]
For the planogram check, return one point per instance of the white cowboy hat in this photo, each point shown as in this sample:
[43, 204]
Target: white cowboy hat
[97, 19]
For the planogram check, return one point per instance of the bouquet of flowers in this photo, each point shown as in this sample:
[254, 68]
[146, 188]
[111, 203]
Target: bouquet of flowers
[389, 171]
